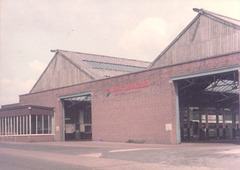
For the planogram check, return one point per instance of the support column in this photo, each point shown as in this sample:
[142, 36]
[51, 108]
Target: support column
[17, 125]
[200, 123]
[0, 126]
[239, 105]
[27, 124]
[224, 130]
[11, 126]
[178, 128]
[63, 122]
[20, 124]
[8, 125]
[217, 123]
[207, 130]
[14, 125]
[5, 126]
[30, 124]
[36, 124]
[48, 124]
[23, 125]
[42, 124]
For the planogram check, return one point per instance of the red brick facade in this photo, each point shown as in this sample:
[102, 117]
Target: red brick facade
[144, 114]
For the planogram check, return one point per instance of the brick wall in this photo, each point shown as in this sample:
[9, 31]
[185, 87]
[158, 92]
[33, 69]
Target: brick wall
[28, 138]
[141, 116]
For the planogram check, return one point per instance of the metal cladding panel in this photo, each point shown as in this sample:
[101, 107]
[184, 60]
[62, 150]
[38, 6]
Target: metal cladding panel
[60, 73]
[204, 38]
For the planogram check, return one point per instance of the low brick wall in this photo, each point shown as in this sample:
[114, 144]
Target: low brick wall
[28, 138]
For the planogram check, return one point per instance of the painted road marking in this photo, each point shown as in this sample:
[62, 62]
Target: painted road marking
[233, 151]
[93, 155]
[129, 150]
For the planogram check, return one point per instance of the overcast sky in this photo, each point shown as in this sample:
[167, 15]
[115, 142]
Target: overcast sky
[137, 29]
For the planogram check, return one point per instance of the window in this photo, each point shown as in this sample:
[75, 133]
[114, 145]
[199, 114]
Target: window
[45, 117]
[39, 124]
[26, 125]
[33, 124]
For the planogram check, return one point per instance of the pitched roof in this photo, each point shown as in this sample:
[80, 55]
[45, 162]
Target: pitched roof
[220, 18]
[217, 17]
[99, 66]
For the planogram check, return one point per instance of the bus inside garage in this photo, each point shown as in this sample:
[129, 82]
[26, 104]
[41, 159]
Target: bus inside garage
[77, 118]
[209, 108]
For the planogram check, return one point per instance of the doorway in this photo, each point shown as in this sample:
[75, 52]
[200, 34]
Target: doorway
[209, 108]
[77, 118]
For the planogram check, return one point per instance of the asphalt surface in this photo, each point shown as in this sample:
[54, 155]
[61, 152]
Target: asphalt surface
[107, 155]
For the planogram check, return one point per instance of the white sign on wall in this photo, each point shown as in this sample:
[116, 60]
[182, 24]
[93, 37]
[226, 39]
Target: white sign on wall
[168, 127]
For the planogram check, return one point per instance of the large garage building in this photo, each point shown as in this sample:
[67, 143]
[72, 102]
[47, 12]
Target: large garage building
[190, 92]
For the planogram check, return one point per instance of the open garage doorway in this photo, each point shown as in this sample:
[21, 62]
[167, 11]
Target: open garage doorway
[77, 117]
[209, 108]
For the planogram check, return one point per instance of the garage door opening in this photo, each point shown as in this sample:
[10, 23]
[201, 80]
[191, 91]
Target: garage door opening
[209, 108]
[77, 118]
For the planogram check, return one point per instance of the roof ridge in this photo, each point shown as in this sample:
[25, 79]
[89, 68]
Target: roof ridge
[86, 67]
[220, 18]
[102, 55]
[206, 11]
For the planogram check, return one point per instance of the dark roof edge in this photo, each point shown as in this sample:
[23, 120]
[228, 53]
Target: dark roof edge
[174, 41]
[215, 17]
[206, 11]
[27, 106]
[151, 69]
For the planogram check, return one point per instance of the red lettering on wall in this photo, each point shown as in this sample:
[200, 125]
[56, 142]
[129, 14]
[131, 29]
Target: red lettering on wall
[130, 88]
[136, 85]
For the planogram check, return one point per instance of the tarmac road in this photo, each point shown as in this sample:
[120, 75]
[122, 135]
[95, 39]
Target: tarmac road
[107, 155]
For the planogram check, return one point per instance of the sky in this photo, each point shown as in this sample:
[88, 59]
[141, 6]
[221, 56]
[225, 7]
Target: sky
[135, 29]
